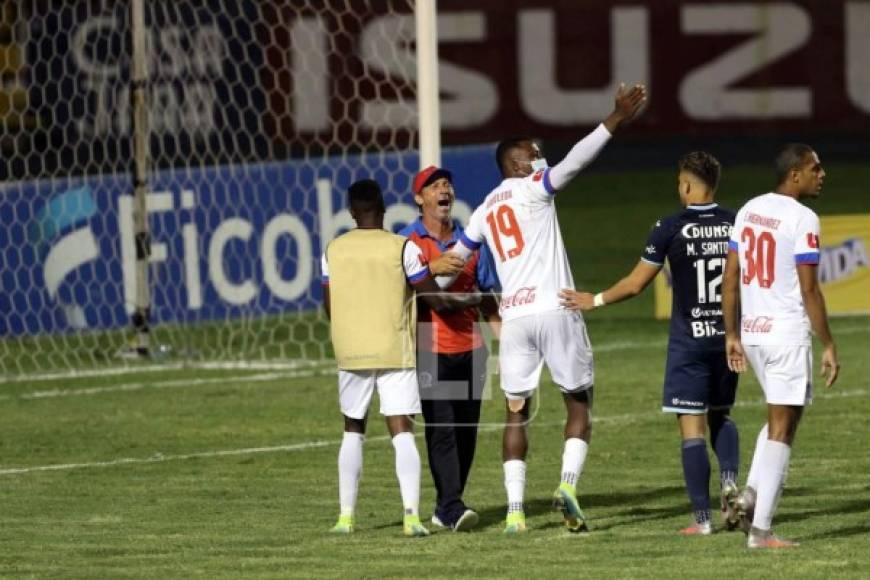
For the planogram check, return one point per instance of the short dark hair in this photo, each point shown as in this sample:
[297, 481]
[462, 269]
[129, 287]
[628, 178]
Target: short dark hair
[365, 195]
[703, 166]
[790, 157]
[505, 148]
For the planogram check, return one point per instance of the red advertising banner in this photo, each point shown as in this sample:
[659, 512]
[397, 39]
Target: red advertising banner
[551, 67]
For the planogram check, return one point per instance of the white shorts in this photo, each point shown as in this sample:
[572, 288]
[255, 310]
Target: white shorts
[397, 390]
[785, 372]
[558, 338]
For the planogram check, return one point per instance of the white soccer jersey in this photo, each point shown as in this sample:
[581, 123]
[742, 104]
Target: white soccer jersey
[772, 234]
[519, 224]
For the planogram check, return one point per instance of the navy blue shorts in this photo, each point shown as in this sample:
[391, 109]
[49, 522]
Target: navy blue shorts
[698, 381]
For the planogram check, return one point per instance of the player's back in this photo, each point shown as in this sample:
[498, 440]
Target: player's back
[695, 242]
[518, 221]
[773, 233]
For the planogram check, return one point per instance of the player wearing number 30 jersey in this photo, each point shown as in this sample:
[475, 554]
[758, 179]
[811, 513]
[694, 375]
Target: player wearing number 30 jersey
[518, 222]
[772, 235]
[771, 299]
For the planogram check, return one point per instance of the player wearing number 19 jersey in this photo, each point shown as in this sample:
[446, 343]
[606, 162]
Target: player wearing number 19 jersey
[772, 263]
[518, 222]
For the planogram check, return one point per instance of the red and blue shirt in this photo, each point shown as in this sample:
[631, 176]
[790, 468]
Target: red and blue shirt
[452, 332]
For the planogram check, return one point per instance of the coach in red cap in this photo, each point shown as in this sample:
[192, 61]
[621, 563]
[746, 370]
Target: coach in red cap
[451, 361]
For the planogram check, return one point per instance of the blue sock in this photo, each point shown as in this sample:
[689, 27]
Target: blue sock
[726, 443]
[696, 470]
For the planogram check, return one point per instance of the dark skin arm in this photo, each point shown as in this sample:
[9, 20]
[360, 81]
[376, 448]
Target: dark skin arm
[489, 310]
[441, 301]
[814, 303]
[628, 103]
[431, 294]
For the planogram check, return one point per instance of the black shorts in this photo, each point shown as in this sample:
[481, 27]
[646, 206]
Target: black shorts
[452, 377]
[698, 381]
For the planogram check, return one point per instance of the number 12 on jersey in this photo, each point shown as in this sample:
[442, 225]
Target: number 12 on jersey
[503, 224]
[709, 290]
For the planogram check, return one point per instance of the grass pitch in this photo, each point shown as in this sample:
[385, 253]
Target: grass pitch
[189, 472]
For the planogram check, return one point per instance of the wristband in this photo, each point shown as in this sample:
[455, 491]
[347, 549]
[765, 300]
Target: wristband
[598, 300]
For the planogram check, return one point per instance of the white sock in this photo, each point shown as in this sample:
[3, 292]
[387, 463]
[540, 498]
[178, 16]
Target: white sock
[350, 462]
[573, 458]
[515, 483]
[408, 471]
[771, 474]
[752, 477]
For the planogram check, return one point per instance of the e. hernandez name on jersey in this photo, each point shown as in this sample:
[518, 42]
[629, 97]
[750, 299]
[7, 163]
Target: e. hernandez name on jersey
[695, 243]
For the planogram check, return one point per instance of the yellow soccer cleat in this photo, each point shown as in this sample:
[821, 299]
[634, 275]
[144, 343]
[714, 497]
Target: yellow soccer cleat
[343, 526]
[515, 523]
[565, 500]
[413, 527]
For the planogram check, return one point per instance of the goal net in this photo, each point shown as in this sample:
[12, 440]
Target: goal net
[260, 114]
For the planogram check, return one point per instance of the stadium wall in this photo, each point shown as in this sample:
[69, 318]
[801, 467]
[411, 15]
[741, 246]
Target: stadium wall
[226, 241]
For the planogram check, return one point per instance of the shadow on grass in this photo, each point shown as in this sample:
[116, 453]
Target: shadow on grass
[826, 509]
[633, 501]
[494, 516]
[845, 532]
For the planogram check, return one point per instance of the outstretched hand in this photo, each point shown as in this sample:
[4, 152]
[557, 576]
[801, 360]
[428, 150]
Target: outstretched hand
[574, 300]
[628, 103]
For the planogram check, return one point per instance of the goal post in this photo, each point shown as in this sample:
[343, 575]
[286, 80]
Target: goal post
[140, 319]
[428, 99]
[172, 190]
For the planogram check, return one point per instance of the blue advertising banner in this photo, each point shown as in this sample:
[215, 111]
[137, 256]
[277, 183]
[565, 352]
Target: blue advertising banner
[227, 241]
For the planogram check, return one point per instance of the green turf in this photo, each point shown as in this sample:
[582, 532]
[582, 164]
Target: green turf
[231, 473]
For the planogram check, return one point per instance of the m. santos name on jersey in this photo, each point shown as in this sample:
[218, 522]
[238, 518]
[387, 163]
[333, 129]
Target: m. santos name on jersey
[692, 231]
[714, 248]
[761, 220]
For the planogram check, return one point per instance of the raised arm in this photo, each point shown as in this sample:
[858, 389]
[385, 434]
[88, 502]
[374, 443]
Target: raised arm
[814, 303]
[628, 103]
[628, 287]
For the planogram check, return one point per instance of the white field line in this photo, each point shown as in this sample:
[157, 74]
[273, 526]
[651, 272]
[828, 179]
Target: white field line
[299, 368]
[293, 364]
[270, 365]
[173, 384]
[160, 458]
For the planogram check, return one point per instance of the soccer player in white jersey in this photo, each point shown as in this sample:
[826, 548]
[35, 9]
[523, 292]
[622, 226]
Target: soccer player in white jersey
[771, 284]
[517, 220]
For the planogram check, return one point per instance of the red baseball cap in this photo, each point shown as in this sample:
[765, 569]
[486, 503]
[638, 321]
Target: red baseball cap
[428, 175]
